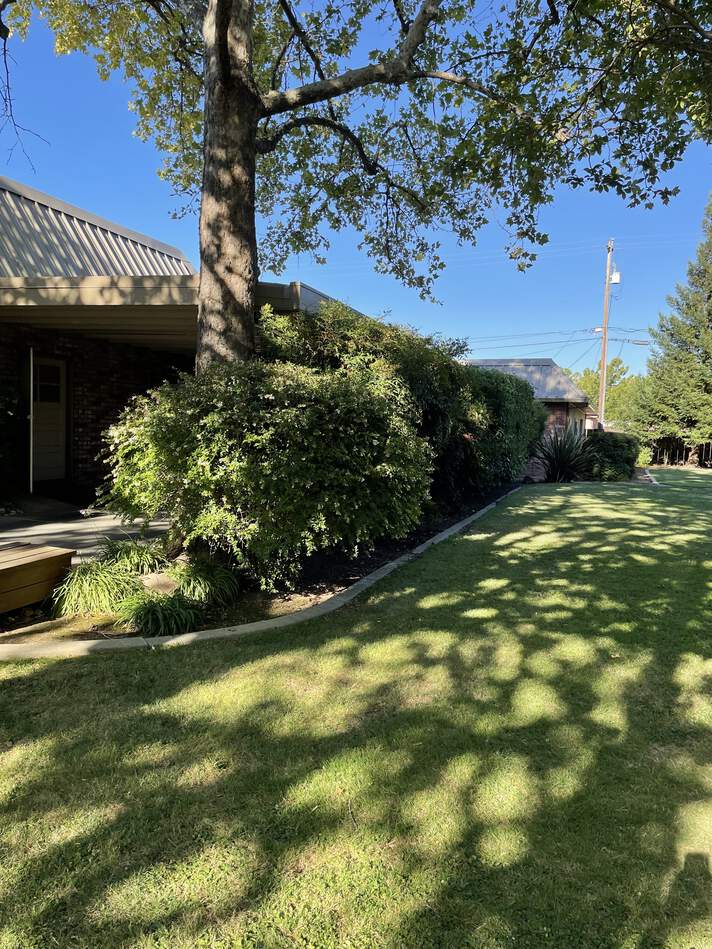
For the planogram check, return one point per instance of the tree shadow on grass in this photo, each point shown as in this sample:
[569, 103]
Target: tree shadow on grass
[508, 744]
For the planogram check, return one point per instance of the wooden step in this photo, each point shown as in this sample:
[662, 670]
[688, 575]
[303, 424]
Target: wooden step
[29, 573]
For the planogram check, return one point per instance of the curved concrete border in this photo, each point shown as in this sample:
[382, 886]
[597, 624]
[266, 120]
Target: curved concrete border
[85, 647]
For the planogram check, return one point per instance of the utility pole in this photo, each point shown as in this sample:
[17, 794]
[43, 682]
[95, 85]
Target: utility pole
[604, 338]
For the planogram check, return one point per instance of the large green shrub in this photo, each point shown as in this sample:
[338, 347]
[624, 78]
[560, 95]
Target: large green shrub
[508, 421]
[272, 461]
[613, 455]
[479, 423]
[337, 337]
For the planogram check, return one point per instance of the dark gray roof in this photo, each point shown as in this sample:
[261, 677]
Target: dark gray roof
[41, 236]
[548, 380]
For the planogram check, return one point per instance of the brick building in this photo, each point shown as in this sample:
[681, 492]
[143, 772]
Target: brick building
[91, 313]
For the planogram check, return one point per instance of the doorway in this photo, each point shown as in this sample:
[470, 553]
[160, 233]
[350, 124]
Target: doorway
[49, 420]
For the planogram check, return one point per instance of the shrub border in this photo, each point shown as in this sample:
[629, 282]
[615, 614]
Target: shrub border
[74, 648]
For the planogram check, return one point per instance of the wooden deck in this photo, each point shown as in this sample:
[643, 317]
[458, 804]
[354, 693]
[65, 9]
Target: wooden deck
[29, 573]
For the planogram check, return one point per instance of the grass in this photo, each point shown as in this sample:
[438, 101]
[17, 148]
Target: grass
[507, 744]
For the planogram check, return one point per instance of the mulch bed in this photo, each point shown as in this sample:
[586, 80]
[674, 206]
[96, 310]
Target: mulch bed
[324, 573]
[327, 570]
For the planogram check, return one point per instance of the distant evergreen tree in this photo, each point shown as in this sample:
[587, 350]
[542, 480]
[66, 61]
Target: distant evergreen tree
[678, 391]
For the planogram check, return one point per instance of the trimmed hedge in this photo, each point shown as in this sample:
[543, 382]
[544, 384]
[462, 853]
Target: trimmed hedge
[509, 423]
[479, 423]
[271, 462]
[337, 436]
[614, 455]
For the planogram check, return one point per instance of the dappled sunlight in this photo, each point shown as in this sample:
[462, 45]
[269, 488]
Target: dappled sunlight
[534, 701]
[437, 816]
[509, 743]
[508, 792]
[612, 688]
[693, 677]
[502, 845]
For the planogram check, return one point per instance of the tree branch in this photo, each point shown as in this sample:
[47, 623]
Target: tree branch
[394, 70]
[673, 8]
[166, 13]
[415, 36]
[370, 164]
[402, 18]
[269, 143]
[275, 78]
[472, 85]
[301, 35]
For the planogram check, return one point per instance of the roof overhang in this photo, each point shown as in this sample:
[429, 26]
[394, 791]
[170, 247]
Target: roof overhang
[154, 312]
[178, 290]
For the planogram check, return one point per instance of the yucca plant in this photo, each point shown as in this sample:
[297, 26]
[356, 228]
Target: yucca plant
[133, 556]
[93, 586]
[159, 614]
[565, 454]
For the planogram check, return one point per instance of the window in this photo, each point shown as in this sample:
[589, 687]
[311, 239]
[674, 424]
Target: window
[47, 383]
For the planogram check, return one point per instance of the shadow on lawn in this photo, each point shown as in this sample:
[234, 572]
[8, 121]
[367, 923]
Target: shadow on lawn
[508, 745]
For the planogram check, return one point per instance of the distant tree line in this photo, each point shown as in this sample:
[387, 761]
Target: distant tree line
[676, 398]
[672, 404]
[622, 392]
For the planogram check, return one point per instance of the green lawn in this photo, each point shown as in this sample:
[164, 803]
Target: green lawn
[508, 744]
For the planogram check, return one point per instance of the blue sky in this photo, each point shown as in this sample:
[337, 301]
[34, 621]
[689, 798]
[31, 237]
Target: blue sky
[91, 158]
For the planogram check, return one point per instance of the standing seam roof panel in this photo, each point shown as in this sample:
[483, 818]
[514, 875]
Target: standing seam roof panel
[42, 237]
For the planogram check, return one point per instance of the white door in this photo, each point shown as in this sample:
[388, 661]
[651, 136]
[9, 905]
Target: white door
[49, 427]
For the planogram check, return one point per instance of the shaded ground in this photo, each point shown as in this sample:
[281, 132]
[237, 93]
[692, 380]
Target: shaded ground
[72, 531]
[324, 573]
[509, 743]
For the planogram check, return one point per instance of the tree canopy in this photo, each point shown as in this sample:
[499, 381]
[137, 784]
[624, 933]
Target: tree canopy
[622, 393]
[678, 390]
[407, 118]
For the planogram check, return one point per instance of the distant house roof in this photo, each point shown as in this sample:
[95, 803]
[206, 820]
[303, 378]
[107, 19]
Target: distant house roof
[548, 380]
[41, 236]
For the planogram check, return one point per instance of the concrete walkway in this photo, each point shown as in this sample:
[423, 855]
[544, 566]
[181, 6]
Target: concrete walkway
[70, 529]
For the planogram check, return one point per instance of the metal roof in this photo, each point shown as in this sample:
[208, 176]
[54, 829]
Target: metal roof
[41, 236]
[548, 380]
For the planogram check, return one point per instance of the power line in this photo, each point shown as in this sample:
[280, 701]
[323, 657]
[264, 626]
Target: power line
[584, 353]
[539, 345]
[531, 335]
[631, 329]
[570, 340]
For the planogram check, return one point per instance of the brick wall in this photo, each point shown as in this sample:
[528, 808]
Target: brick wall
[101, 378]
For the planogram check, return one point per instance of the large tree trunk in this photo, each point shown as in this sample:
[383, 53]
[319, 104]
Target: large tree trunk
[227, 297]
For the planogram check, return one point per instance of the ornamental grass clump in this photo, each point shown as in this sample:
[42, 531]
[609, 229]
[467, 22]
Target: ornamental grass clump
[206, 582]
[93, 586]
[134, 556]
[565, 454]
[159, 614]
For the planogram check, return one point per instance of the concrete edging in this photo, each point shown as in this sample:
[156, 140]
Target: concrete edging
[85, 647]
